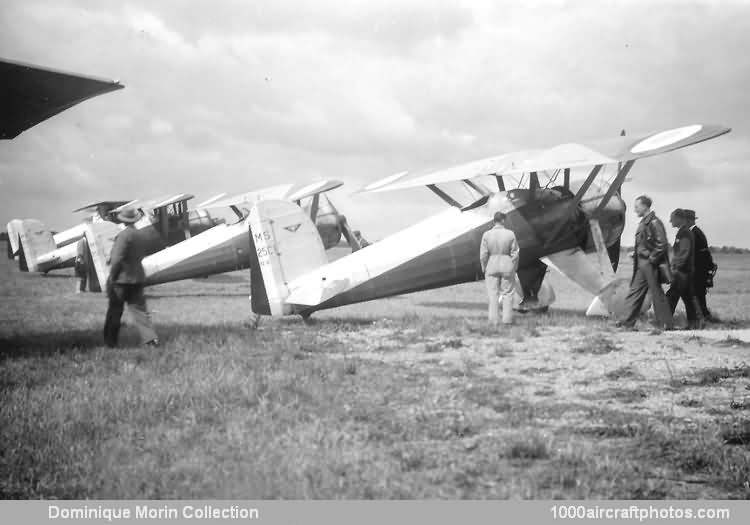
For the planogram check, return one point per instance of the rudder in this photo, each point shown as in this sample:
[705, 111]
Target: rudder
[34, 240]
[284, 245]
[99, 237]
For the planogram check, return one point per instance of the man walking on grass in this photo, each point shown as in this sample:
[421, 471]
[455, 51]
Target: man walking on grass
[126, 281]
[650, 252]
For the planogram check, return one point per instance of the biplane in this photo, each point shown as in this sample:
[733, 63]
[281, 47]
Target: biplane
[571, 225]
[224, 247]
[166, 221]
[39, 250]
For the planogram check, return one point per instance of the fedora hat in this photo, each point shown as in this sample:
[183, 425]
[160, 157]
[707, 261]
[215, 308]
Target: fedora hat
[129, 215]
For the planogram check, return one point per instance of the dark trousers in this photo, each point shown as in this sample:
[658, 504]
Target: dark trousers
[645, 279]
[682, 288]
[80, 272]
[699, 287]
[132, 294]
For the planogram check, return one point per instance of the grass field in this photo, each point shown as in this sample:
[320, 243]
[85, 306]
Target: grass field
[409, 397]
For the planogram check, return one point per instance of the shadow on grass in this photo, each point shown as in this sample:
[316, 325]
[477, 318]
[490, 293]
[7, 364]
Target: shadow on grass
[223, 279]
[53, 343]
[459, 305]
[49, 344]
[553, 313]
[195, 294]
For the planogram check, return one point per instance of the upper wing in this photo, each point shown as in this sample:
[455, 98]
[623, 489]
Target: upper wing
[250, 197]
[94, 205]
[158, 202]
[30, 94]
[289, 192]
[591, 153]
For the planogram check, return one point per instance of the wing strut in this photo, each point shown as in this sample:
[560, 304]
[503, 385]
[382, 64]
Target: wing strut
[576, 200]
[566, 179]
[314, 207]
[440, 193]
[533, 181]
[500, 183]
[614, 187]
[479, 188]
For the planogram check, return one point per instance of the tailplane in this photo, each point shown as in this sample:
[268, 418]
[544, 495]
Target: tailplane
[34, 240]
[284, 245]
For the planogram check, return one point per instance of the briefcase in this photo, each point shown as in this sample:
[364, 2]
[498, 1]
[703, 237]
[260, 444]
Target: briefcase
[711, 275]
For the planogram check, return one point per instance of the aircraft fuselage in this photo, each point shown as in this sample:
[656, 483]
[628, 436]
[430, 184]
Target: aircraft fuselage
[444, 249]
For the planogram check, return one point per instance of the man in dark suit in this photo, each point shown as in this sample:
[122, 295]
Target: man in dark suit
[126, 281]
[704, 263]
[682, 265]
[650, 251]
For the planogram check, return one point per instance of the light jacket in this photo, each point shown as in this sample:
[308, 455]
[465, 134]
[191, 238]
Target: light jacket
[498, 252]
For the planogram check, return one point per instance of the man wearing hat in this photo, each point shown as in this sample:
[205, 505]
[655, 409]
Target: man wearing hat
[682, 266]
[126, 281]
[704, 264]
[498, 255]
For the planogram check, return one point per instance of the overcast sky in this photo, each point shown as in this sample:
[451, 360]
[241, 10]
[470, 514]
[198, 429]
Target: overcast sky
[232, 95]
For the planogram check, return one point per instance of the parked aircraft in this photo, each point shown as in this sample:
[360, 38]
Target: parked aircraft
[224, 247]
[569, 226]
[39, 250]
[166, 221]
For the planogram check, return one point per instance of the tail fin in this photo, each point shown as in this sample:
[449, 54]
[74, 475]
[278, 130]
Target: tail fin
[284, 245]
[14, 244]
[99, 236]
[35, 240]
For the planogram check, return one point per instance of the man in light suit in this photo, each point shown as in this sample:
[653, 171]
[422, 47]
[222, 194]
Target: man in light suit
[126, 281]
[498, 255]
